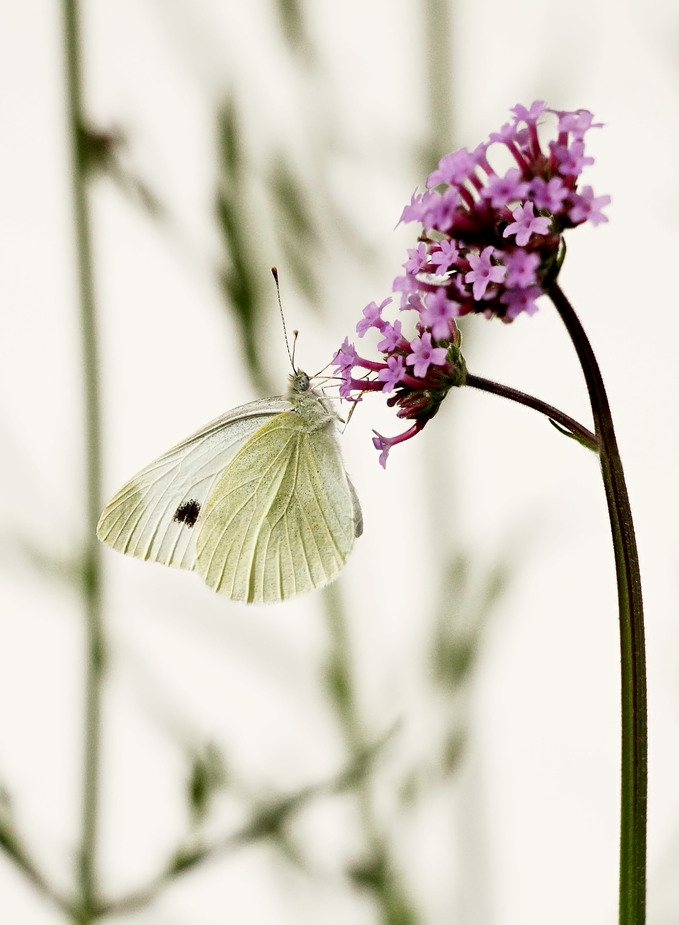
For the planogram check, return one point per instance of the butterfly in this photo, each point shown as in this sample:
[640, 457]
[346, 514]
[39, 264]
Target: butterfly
[258, 502]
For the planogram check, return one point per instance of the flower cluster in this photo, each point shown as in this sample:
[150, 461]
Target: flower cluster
[491, 244]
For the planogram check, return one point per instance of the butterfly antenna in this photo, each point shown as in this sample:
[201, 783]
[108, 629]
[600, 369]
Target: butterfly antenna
[291, 353]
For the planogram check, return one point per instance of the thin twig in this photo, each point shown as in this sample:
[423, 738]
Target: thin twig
[18, 854]
[266, 820]
[581, 433]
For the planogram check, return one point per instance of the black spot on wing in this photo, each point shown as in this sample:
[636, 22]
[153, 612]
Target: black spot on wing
[187, 513]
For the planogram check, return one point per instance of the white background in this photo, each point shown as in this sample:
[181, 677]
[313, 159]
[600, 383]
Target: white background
[527, 832]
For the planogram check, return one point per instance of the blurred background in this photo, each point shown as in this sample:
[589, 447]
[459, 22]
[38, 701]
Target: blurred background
[435, 738]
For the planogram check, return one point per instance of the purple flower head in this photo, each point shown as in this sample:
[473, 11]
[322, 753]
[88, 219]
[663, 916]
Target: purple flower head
[490, 244]
[417, 374]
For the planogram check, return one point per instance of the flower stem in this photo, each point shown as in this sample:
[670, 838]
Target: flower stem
[573, 427]
[634, 768]
[91, 569]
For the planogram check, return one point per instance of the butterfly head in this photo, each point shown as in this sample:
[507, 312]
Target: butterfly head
[299, 382]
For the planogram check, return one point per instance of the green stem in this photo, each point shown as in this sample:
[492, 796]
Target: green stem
[91, 583]
[573, 427]
[634, 777]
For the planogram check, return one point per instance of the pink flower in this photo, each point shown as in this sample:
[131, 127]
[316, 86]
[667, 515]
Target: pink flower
[391, 337]
[453, 168]
[483, 272]
[522, 267]
[571, 159]
[521, 300]
[384, 444]
[548, 194]
[526, 224]
[588, 208]
[445, 256]
[393, 374]
[417, 258]
[372, 317]
[439, 311]
[500, 191]
[424, 355]
[346, 357]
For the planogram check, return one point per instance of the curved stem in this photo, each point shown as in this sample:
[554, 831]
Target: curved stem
[91, 570]
[266, 820]
[582, 434]
[634, 770]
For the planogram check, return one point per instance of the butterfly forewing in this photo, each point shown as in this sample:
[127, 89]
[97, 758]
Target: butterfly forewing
[154, 515]
[283, 517]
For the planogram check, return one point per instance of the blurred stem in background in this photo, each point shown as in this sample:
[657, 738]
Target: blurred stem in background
[462, 610]
[240, 286]
[299, 221]
[91, 567]
[249, 293]
[376, 872]
[438, 58]
[293, 28]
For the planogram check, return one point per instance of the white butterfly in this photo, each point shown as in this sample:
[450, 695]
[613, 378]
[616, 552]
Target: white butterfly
[258, 501]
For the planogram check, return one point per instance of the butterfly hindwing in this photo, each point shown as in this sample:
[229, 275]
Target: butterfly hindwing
[283, 517]
[156, 513]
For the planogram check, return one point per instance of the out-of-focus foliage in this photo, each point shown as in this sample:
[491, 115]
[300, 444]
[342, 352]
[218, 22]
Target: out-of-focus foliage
[301, 212]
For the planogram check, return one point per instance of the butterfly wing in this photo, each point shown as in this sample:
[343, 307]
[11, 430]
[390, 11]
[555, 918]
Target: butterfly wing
[154, 515]
[283, 516]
